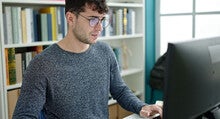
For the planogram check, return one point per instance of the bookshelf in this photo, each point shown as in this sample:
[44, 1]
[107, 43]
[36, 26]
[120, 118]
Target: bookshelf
[133, 44]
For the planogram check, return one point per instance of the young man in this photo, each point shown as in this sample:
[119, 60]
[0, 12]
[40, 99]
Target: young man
[72, 79]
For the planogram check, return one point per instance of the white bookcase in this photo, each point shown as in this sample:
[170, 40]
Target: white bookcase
[135, 44]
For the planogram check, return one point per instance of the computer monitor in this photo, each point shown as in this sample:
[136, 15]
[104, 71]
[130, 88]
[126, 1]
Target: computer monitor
[192, 80]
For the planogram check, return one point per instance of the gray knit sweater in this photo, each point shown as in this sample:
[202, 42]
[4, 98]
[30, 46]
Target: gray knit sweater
[68, 85]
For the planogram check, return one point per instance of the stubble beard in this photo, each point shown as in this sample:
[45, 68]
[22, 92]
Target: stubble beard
[82, 37]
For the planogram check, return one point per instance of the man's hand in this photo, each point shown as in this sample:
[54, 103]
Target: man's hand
[150, 110]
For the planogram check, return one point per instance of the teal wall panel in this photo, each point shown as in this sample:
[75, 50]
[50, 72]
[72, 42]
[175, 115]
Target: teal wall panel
[149, 45]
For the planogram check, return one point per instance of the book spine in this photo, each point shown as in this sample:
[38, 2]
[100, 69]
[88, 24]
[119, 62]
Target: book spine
[39, 26]
[36, 37]
[125, 21]
[29, 24]
[129, 27]
[14, 16]
[5, 28]
[54, 23]
[7, 68]
[7, 11]
[19, 25]
[18, 62]
[23, 26]
[11, 66]
[133, 21]
[59, 27]
[107, 29]
[63, 21]
[44, 29]
[49, 27]
[119, 22]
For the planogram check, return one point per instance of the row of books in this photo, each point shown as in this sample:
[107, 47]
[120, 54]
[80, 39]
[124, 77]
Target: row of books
[16, 62]
[26, 25]
[122, 22]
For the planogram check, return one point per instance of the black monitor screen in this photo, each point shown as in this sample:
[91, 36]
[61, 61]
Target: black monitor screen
[192, 81]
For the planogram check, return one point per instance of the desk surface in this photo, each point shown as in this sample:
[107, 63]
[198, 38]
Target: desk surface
[135, 116]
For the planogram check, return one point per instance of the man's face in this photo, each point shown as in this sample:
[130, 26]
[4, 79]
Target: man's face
[84, 30]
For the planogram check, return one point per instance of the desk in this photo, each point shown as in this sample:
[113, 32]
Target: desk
[135, 116]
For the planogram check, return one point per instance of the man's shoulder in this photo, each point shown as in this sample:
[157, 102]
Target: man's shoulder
[46, 52]
[102, 45]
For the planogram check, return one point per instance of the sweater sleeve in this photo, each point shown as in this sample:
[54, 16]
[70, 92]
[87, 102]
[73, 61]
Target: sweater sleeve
[33, 92]
[121, 92]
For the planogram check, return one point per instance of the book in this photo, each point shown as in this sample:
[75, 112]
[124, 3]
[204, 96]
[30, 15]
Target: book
[5, 28]
[28, 57]
[14, 17]
[107, 29]
[125, 21]
[19, 25]
[36, 37]
[133, 24]
[29, 25]
[18, 62]
[23, 58]
[38, 17]
[16, 22]
[129, 26]
[63, 21]
[11, 66]
[113, 23]
[119, 22]
[23, 26]
[49, 27]
[43, 26]
[59, 23]
[7, 11]
[6, 65]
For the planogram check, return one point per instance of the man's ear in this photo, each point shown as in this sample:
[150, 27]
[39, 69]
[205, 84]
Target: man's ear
[70, 18]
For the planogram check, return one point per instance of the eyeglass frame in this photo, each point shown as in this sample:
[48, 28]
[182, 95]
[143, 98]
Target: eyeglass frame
[96, 19]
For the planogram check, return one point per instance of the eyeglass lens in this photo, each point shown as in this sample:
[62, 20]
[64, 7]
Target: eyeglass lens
[94, 21]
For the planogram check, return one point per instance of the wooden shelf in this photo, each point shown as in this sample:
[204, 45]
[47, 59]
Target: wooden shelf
[130, 72]
[14, 86]
[109, 38]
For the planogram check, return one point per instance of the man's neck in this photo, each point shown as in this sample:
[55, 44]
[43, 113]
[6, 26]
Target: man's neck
[72, 45]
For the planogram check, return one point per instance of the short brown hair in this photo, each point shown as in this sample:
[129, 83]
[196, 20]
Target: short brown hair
[78, 6]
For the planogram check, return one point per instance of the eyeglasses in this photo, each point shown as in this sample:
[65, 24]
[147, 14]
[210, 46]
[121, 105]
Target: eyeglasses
[93, 21]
